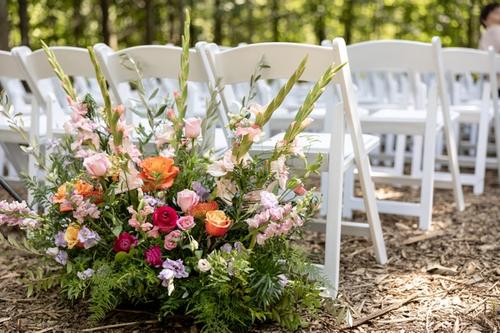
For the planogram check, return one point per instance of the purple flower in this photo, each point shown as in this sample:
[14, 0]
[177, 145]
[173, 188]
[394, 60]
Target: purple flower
[86, 274]
[226, 248]
[61, 257]
[177, 267]
[152, 201]
[88, 237]
[59, 240]
[238, 246]
[165, 276]
[201, 190]
[282, 280]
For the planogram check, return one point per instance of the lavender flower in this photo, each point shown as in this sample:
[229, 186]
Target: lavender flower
[238, 246]
[59, 240]
[86, 274]
[61, 257]
[166, 275]
[177, 266]
[226, 248]
[282, 280]
[201, 190]
[152, 201]
[88, 237]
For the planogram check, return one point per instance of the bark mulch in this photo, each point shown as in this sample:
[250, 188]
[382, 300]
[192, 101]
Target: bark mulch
[443, 280]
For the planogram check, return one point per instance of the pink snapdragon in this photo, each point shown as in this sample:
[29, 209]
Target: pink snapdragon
[17, 214]
[84, 208]
[171, 240]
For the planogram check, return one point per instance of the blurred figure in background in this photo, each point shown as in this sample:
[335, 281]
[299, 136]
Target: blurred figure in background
[490, 20]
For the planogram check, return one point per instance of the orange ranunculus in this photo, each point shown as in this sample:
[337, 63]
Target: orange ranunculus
[84, 189]
[61, 198]
[158, 173]
[217, 224]
[71, 236]
[200, 209]
[60, 195]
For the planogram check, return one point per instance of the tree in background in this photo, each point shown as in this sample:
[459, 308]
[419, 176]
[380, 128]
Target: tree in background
[123, 23]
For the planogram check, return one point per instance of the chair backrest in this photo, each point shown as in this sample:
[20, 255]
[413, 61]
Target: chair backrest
[154, 61]
[11, 77]
[459, 63]
[41, 77]
[234, 66]
[413, 59]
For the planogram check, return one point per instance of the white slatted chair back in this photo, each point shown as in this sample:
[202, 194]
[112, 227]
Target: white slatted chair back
[154, 61]
[11, 75]
[41, 77]
[236, 66]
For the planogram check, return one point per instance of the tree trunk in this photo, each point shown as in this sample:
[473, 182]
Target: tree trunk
[24, 22]
[250, 21]
[171, 20]
[4, 25]
[217, 22]
[150, 22]
[470, 26]
[319, 23]
[348, 20]
[105, 20]
[78, 25]
[275, 20]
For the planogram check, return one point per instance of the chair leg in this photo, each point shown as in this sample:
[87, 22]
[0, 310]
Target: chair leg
[324, 194]
[453, 166]
[480, 163]
[399, 155]
[348, 193]
[368, 188]
[416, 159]
[334, 216]
[497, 142]
[427, 188]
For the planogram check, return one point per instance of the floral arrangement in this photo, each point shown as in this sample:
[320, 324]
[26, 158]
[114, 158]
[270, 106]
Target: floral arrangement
[151, 216]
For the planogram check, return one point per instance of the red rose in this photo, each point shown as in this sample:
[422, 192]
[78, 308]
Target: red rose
[165, 218]
[153, 256]
[124, 242]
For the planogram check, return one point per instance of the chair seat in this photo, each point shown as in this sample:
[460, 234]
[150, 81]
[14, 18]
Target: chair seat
[470, 113]
[400, 121]
[319, 143]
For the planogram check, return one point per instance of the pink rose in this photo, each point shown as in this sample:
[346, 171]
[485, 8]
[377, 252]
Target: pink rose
[185, 222]
[153, 256]
[97, 165]
[124, 242]
[187, 199]
[165, 218]
[192, 127]
[171, 240]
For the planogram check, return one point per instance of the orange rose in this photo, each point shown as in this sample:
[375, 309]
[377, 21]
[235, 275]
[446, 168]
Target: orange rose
[158, 173]
[71, 236]
[217, 224]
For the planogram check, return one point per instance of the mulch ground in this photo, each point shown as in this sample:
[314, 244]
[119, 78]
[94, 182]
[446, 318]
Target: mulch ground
[443, 280]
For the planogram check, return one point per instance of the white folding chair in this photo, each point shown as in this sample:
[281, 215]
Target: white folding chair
[237, 65]
[413, 58]
[155, 62]
[460, 62]
[11, 75]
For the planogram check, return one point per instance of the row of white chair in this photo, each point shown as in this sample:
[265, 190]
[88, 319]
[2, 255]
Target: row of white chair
[345, 150]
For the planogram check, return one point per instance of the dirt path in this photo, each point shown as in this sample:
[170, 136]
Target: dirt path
[445, 280]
